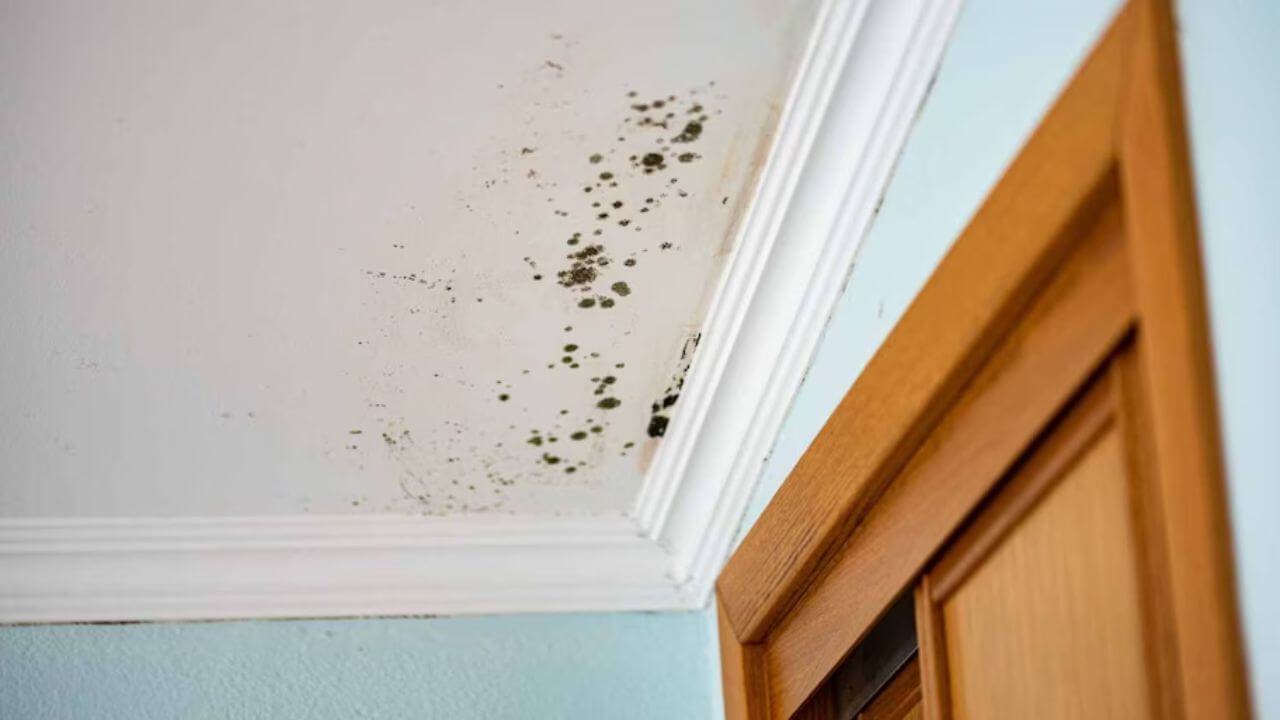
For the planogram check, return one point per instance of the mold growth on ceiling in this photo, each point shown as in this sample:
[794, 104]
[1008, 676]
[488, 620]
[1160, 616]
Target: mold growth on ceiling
[628, 183]
[420, 258]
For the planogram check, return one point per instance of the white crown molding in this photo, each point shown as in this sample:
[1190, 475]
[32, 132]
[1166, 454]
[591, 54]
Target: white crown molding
[865, 73]
[207, 568]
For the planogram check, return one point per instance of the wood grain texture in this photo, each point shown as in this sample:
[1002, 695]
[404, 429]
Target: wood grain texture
[1091, 415]
[741, 675]
[900, 698]
[964, 310]
[933, 672]
[1160, 638]
[820, 706]
[1078, 320]
[1049, 625]
[1177, 368]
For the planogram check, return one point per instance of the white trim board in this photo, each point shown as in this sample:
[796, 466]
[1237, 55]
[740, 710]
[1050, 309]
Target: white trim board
[864, 75]
[206, 568]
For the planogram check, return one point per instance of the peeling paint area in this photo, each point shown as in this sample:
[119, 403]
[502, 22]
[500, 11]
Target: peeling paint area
[424, 258]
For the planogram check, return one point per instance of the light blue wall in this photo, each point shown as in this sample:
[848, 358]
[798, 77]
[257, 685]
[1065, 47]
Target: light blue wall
[1008, 59]
[1231, 58]
[551, 666]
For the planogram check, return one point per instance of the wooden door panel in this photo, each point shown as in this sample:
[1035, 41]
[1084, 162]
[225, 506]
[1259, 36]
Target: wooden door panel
[1049, 625]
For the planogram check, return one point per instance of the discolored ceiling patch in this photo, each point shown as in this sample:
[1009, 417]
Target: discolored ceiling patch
[413, 258]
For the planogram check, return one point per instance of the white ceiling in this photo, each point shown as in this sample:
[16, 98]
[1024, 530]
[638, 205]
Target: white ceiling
[274, 258]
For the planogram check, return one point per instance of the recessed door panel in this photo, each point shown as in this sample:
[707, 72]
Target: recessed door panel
[1049, 625]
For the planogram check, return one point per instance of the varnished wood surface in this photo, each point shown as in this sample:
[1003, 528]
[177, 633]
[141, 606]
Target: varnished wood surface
[1074, 325]
[1175, 362]
[741, 675]
[1049, 624]
[899, 700]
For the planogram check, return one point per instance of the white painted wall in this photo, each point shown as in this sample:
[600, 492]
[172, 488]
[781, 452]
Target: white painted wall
[1007, 61]
[240, 242]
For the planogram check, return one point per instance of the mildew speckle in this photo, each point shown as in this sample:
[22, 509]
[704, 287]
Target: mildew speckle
[603, 205]
[660, 410]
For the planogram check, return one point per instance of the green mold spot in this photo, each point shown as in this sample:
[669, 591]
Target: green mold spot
[692, 131]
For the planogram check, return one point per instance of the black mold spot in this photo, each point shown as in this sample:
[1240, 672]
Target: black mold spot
[609, 403]
[658, 426]
[621, 288]
[692, 131]
[660, 410]
[577, 275]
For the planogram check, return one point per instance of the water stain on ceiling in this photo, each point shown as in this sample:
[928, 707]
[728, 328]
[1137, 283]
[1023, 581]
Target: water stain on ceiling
[394, 258]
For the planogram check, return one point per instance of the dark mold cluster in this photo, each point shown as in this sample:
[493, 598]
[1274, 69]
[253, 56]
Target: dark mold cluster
[656, 134]
[620, 187]
[660, 410]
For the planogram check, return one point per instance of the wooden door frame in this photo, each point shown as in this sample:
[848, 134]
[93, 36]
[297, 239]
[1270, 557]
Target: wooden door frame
[1117, 129]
